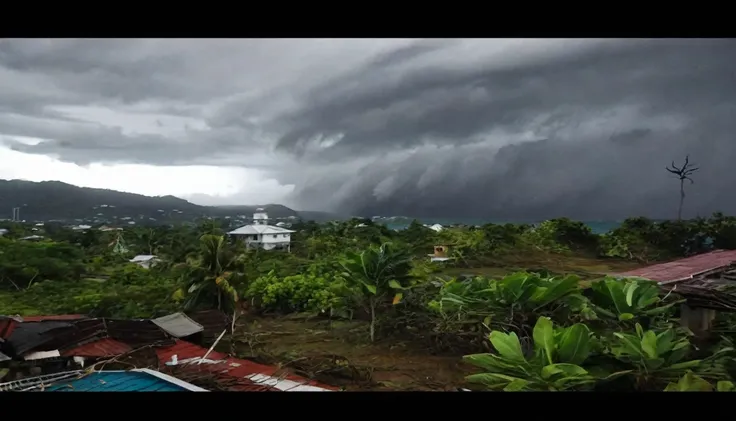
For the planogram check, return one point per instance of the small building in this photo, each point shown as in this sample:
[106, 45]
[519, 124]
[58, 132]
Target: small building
[435, 227]
[261, 235]
[441, 254]
[697, 279]
[32, 238]
[145, 260]
[3, 231]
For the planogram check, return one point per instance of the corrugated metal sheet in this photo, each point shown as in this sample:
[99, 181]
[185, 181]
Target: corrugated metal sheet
[251, 376]
[137, 332]
[684, 269]
[178, 325]
[116, 381]
[185, 351]
[100, 348]
[29, 336]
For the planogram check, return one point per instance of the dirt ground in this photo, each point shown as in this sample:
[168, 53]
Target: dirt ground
[340, 354]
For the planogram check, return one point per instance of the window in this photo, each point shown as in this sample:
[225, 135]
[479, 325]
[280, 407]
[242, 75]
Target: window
[275, 236]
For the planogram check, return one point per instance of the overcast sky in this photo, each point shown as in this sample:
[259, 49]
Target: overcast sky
[497, 128]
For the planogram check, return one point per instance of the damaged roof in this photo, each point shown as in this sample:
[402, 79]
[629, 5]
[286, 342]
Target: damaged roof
[31, 335]
[178, 325]
[685, 269]
[139, 380]
[237, 374]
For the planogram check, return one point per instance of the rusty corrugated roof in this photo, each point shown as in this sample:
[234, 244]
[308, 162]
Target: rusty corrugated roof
[213, 321]
[100, 348]
[684, 269]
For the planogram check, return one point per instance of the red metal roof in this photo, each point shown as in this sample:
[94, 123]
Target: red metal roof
[232, 367]
[105, 347]
[57, 317]
[683, 269]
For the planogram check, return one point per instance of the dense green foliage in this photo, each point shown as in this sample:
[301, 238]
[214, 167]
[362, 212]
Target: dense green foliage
[625, 332]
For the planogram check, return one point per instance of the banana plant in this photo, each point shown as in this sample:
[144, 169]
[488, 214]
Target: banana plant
[627, 299]
[661, 357]
[378, 272]
[691, 382]
[556, 364]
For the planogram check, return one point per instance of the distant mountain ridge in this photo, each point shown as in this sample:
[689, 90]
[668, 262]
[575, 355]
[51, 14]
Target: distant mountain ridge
[55, 200]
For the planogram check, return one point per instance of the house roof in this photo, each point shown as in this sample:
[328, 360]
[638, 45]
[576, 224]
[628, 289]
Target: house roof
[139, 380]
[684, 269]
[259, 229]
[178, 325]
[28, 336]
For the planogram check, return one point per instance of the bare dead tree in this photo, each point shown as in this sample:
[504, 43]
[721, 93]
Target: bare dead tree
[683, 173]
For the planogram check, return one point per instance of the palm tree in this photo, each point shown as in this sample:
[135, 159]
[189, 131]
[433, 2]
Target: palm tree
[377, 271]
[209, 276]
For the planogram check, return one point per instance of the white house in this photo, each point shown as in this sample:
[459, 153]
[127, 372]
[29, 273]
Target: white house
[144, 260]
[261, 235]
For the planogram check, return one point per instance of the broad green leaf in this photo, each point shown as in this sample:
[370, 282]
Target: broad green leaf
[649, 344]
[488, 362]
[616, 291]
[685, 365]
[569, 370]
[664, 341]
[370, 288]
[507, 345]
[559, 288]
[690, 383]
[544, 338]
[630, 288]
[574, 344]
[516, 386]
[625, 316]
[630, 345]
[395, 285]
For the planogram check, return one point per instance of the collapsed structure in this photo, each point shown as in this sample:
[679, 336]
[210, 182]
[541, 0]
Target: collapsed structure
[78, 353]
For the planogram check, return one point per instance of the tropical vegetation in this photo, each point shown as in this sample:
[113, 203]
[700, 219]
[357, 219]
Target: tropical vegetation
[515, 301]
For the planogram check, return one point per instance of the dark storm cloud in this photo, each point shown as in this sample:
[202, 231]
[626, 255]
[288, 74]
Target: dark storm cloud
[497, 128]
[588, 134]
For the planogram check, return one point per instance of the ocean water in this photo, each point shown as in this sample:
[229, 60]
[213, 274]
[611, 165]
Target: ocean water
[399, 223]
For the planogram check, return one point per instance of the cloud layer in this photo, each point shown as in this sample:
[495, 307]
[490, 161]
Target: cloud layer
[506, 129]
